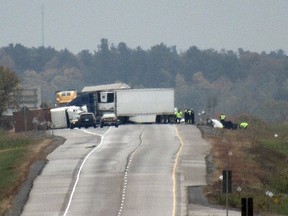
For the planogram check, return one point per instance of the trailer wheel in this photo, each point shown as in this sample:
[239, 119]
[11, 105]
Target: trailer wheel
[171, 119]
[160, 119]
[157, 120]
[123, 119]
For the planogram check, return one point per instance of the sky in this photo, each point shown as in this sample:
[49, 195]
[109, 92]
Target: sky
[258, 25]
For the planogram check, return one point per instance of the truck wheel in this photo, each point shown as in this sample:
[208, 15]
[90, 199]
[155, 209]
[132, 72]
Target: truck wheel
[171, 119]
[162, 119]
[123, 119]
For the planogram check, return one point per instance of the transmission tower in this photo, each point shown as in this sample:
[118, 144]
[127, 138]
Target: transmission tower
[42, 13]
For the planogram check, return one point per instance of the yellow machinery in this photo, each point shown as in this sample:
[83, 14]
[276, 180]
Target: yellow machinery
[64, 97]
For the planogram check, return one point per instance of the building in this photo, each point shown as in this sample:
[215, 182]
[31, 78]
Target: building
[26, 96]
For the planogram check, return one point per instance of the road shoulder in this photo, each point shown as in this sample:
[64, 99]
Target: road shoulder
[35, 167]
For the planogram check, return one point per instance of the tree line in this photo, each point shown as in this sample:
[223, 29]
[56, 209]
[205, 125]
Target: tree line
[232, 82]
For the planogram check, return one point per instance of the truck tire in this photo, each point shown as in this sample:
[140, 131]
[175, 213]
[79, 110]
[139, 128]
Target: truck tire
[171, 119]
[158, 119]
[162, 119]
[123, 119]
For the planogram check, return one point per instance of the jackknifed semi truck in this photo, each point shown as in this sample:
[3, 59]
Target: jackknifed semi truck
[131, 105]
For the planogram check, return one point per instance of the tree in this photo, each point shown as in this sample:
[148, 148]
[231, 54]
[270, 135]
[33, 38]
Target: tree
[8, 82]
[162, 66]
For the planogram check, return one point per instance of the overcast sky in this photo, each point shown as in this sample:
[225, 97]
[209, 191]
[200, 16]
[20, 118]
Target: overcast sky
[254, 25]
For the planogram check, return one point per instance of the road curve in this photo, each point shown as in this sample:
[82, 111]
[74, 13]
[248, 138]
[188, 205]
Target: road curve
[129, 174]
[126, 171]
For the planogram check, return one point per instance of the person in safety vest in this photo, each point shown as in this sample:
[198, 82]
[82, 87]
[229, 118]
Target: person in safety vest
[179, 116]
[222, 118]
[243, 125]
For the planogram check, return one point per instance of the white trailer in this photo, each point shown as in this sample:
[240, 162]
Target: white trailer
[135, 105]
[62, 116]
[145, 105]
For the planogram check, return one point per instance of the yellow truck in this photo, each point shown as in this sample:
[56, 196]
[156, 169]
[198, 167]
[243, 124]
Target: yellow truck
[64, 97]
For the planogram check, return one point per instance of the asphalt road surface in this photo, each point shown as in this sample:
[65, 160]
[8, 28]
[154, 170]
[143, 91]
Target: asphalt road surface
[131, 170]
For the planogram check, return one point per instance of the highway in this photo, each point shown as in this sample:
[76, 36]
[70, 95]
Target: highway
[126, 171]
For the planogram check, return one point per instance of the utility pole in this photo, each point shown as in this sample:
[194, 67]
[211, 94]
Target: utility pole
[42, 13]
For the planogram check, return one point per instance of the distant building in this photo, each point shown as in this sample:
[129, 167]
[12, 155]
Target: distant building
[28, 96]
[23, 109]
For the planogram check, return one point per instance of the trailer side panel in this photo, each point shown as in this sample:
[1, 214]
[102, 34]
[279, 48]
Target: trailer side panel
[144, 102]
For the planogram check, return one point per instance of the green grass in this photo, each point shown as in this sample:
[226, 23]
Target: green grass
[276, 144]
[9, 160]
[270, 152]
[13, 153]
[278, 181]
[277, 141]
[7, 142]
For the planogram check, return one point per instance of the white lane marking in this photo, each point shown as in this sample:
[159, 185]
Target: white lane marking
[79, 171]
[89, 132]
[129, 161]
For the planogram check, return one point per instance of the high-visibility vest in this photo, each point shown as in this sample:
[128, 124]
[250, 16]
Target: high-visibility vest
[222, 117]
[178, 114]
[243, 125]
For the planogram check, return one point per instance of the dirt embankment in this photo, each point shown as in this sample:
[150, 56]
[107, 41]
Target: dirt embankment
[252, 165]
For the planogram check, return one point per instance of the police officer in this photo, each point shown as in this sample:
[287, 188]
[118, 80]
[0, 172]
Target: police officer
[192, 116]
[189, 116]
[186, 116]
